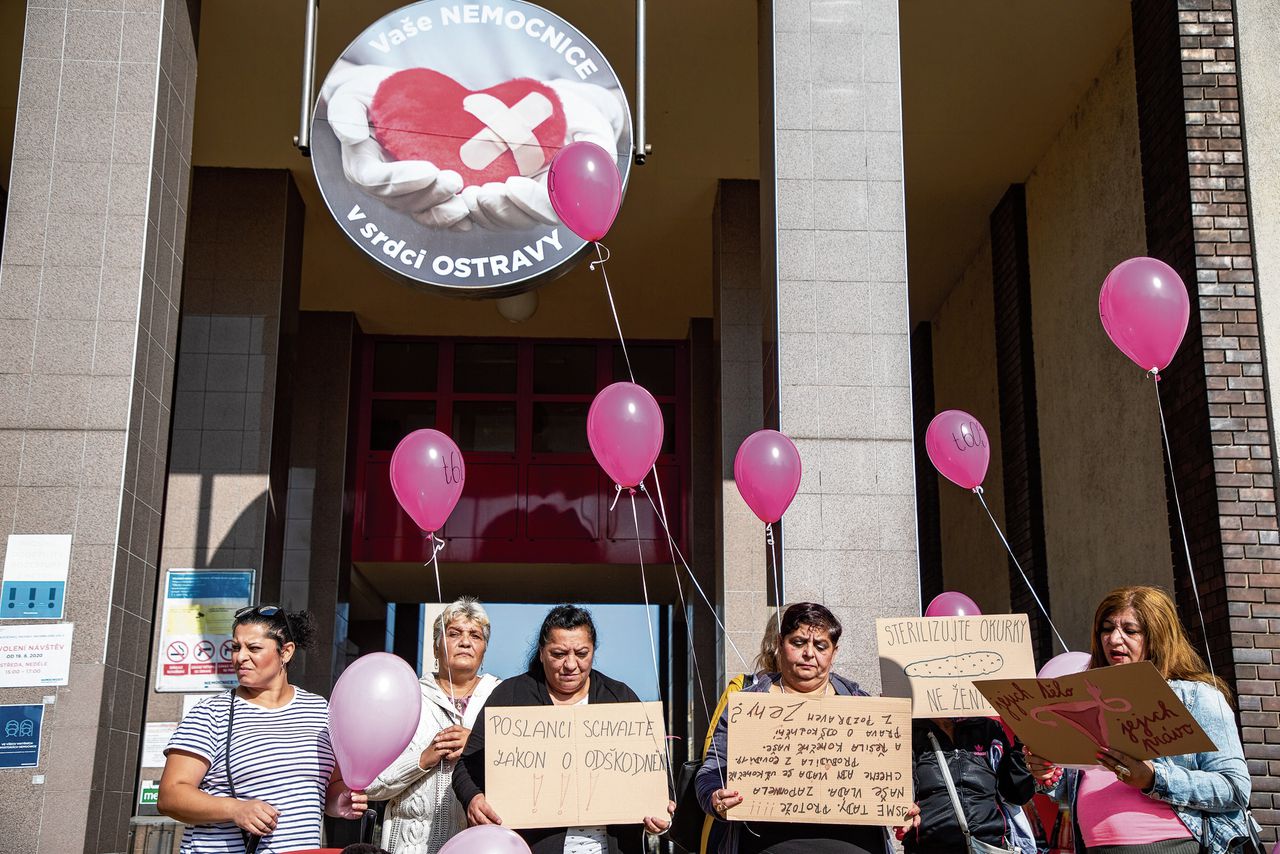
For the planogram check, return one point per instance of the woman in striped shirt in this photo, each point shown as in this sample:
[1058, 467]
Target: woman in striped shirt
[252, 770]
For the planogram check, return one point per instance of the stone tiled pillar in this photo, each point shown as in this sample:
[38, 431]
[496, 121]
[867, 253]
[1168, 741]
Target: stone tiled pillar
[843, 346]
[1198, 219]
[90, 281]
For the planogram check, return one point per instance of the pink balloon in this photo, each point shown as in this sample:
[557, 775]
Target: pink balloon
[486, 839]
[585, 188]
[1144, 307]
[958, 447]
[373, 715]
[427, 474]
[952, 604]
[624, 429]
[1066, 664]
[767, 472]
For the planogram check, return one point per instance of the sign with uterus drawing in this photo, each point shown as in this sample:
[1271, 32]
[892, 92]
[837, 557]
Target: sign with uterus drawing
[1129, 708]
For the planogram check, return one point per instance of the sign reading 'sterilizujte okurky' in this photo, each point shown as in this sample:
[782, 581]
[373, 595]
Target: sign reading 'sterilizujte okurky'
[434, 132]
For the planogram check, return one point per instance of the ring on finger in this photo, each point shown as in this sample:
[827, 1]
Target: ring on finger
[1122, 772]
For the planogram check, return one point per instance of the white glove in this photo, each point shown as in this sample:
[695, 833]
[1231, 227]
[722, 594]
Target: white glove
[592, 114]
[416, 187]
[436, 198]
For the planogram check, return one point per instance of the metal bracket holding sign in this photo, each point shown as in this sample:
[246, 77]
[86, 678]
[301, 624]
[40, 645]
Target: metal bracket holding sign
[195, 630]
[641, 149]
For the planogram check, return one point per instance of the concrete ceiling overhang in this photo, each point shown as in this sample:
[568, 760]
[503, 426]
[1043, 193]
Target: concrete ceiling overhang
[986, 86]
[703, 125]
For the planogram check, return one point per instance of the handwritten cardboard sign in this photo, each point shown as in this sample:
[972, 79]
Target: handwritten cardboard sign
[1128, 707]
[554, 766]
[934, 660]
[826, 760]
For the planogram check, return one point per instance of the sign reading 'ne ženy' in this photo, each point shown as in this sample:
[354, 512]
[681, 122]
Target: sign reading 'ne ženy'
[434, 133]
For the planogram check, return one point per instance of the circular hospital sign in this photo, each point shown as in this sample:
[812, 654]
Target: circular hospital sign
[434, 132]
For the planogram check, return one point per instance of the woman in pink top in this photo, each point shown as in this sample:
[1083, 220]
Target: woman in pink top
[1172, 804]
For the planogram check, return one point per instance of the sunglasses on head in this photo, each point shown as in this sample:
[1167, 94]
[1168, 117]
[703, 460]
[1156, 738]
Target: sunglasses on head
[268, 611]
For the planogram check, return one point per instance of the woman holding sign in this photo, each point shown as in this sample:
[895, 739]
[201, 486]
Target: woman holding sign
[559, 674]
[810, 636]
[1171, 804]
[424, 814]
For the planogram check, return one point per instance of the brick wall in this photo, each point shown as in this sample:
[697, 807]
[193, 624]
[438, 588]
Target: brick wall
[1019, 426]
[1215, 391]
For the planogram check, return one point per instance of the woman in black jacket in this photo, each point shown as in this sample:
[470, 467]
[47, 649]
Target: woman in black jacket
[985, 766]
[559, 674]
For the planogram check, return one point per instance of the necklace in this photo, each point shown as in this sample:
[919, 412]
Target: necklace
[449, 688]
[822, 693]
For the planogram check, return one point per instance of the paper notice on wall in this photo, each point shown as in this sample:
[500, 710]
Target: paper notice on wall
[198, 612]
[555, 766]
[20, 735]
[827, 760]
[934, 660]
[35, 576]
[155, 738]
[35, 655]
[1129, 708]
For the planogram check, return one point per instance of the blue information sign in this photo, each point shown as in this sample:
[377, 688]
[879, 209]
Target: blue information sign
[20, 736]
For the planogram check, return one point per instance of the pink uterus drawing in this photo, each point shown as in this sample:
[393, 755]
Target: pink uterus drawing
[1086, 717]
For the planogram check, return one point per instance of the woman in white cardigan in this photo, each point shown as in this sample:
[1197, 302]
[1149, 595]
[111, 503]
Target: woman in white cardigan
[423, 813]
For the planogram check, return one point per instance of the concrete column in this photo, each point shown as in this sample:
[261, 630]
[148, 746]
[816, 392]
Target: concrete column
[227, 472]
[90, 281]
[318, 531]
[843, 346]
[741, 570]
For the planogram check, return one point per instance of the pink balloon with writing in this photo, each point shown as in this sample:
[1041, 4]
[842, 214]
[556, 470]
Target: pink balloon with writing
[624, 429]
[767, 472]
[1065, 664]
[585, 189]
[958, 447]
[1144, 307]
[427, 475]
[949, 603]
[373, 714]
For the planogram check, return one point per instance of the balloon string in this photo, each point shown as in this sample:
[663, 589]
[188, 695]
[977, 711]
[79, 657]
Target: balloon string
[977, 490]
[602, 254]
[1182, 526]
[773, 565]
[680, 589]
[702, 593]
[437, 544]
[693, 654]
[617, 493]
[648, 621]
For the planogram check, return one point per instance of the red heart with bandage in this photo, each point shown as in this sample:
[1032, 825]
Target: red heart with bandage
[513, 128]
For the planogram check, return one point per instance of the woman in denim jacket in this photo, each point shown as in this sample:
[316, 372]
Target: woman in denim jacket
[1171, 804]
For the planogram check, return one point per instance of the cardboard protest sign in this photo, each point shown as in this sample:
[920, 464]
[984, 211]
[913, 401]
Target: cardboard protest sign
[1128, 707]
[553, 766]
[826, 760]
[934, 660]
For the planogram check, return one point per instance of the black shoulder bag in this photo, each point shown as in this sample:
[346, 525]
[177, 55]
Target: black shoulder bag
[251, 841]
